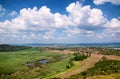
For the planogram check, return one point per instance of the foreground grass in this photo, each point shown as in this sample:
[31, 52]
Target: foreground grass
[62, 68]
[110, 76]
[15, 61]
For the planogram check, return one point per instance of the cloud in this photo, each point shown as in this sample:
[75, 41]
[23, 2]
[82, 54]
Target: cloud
[113, 27]
[33, 35]
[72, 32]
[2, 11]
[62, 21]
[84, 17]
[42, 19]
[100, 2]
[13, 13]
[78, 32]
[36, 19]
[49, 35]
[80, 20]
[113, 24]
[111, 31]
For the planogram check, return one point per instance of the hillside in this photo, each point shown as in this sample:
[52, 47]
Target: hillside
[6, 47]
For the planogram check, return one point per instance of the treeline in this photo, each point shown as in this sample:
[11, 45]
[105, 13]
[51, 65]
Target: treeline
[5, 47]
[110, 52]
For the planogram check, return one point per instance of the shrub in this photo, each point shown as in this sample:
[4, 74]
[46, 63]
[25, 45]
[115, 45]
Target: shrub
[79, 57]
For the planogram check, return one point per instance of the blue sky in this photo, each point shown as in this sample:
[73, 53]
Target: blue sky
[59, 21]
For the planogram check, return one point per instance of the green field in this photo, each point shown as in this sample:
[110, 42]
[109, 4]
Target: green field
[13, 64]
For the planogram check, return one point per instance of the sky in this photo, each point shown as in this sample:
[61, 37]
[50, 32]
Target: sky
[59, 21]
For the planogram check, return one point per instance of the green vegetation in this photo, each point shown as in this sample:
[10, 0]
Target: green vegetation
[106, 51]
[20, 62]
[79, 57]
[13, 63]
[103, 67]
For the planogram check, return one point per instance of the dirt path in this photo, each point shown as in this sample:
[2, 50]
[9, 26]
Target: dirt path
[62, 51]
[84, 65]
[88, 63]
[112, 57]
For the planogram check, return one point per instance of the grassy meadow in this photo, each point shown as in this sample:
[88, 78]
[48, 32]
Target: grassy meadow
[13, 63]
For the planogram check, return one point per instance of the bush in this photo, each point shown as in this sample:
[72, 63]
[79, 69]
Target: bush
[105, 67]
[79, 57]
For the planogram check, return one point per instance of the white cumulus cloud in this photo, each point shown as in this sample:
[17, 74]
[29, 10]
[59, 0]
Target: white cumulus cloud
[114, 24]
[85, 17]
[42, 19]
[80, 20]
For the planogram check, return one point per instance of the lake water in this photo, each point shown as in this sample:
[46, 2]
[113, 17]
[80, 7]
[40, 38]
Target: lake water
[43, 61]
[116, 48]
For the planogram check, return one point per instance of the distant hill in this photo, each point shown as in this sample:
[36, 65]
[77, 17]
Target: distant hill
[111, 44]
[6, 47]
